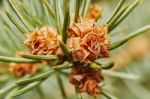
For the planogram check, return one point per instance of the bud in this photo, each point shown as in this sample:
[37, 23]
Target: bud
[88, 41]
[22, 69]
[86, 79]
[43, 41]
[94, 12]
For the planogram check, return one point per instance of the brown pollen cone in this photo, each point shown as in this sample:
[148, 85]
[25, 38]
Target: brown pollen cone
[22, 69]
[94, 12]
[88, 41]
[86, 79]
[44, 41]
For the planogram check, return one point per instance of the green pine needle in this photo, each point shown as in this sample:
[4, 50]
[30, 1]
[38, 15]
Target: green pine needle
[130, 36]
[57, 16]
[61, 86]
[36, 78]
[7, 89]
[16, 60]
[104, 63]
[118, 7]
[86, 7]
[109, 96]
[50, 11]
[66, 23]
[27, 88]
[65, 65]
[20, 15]
[116, 17]
[15, 22]
[77, 9]
[35, 19]
[125, 14]
[40, 57]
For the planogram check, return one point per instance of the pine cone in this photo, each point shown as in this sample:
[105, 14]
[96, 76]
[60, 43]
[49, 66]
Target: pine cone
[43, 41]
[88, 41]
[86, 79]
[22, 69]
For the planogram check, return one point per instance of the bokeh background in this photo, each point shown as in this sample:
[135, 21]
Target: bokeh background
[133, 59]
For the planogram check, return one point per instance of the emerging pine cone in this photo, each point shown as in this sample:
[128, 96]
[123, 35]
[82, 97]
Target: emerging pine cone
[44, 41]
[94, 12]
[88, 41]
[86, 79]
[22, 69]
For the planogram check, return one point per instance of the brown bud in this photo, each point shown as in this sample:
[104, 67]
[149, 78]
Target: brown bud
[94, 12]
[86, 79]
[43, 41]
[88, 41]
[22, 69]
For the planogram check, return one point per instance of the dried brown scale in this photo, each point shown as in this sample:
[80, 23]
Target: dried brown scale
[44, 41]
[86, 79]
[22, 69]
[88, 41]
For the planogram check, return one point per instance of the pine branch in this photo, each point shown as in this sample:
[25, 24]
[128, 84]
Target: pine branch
[65, 50]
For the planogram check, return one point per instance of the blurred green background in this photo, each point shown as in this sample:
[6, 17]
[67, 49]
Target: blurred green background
[134, 56]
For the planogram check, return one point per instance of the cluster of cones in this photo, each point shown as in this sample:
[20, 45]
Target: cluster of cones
[86, 41]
